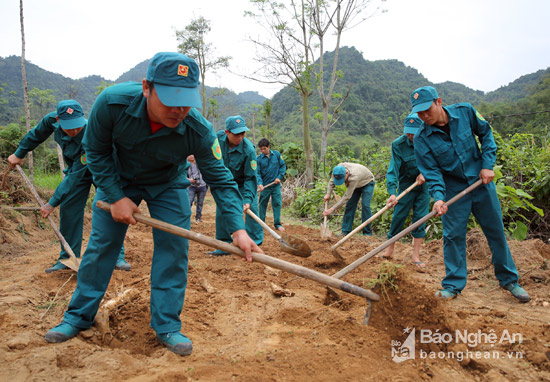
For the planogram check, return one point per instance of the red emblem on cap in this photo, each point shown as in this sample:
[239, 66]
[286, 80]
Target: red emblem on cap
[415, 96]
[183, 70]
[69, 110]
[412, 120]
[238, 121]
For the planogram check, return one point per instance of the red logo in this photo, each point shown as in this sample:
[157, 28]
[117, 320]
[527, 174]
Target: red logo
[69, 110]
[183, 70]
[412, 120]
[415, 96]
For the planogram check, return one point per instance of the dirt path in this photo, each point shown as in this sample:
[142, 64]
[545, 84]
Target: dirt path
[242, 332]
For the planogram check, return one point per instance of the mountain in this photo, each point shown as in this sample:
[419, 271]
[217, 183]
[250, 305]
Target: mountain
[83, 90]
[377, 104]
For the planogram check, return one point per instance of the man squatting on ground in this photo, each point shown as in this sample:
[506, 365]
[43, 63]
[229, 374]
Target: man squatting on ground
[449, 157]
[67, 124]
[137, 142]
[239, 156]
[402, 173]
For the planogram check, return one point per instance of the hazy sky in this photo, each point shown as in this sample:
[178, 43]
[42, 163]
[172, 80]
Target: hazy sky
[483, 44]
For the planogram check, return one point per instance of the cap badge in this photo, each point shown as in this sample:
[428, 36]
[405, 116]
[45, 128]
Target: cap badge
[238, 120]
[411, 121]
[415, 96]
[69, 110]
[183, 70]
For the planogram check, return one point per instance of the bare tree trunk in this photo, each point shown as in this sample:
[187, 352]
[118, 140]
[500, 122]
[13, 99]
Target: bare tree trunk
[308, 148]
[25, 89]
[254, 134]
[60, 159]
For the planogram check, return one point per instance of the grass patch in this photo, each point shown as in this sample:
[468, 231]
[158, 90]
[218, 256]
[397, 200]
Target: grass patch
[388, 274]
[48, 181]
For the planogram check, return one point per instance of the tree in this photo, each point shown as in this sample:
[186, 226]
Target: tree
[44, 99]
[332, 16]
[25, 88]
[286, 56]
[193, 43]
[267, 114]
[214, 106]
[103, 86]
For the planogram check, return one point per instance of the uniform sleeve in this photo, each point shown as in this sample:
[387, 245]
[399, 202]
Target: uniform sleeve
[259, 170]
[483, 130]
[224, 189]
[250, 177]
[428, 167]
[392, 176]
[98, 144]
[36, 136]
[72, 178]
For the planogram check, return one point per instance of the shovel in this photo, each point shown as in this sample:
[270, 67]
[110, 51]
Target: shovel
[288, 243]
[334, 250]
[258, 257]
[325, 232]
[72, 262]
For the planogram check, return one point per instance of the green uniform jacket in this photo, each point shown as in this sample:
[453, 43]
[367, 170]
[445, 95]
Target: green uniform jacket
[73, 154]
[241, 161]
[403, 170]
[270, 168]
[122, 151]
[455, 158]
[359, 176]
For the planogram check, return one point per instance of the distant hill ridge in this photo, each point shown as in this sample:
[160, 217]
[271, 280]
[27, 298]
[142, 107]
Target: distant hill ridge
[377, 104]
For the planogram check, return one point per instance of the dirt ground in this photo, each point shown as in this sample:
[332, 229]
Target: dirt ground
[242, 331]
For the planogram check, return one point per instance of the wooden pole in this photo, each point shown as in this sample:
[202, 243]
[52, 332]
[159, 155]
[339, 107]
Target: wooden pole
[258, 257]
[72, 262]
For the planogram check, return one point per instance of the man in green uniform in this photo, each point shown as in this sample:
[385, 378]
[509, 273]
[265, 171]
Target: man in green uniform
[67, 125]
[137, 141]
[450, 159]
[239, 157]
[360, 184]
[271, 168]
[402, 173]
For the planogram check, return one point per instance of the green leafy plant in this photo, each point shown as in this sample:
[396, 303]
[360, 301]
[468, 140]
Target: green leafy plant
[387, 278]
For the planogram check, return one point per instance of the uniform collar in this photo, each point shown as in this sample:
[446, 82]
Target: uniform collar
[239, 147]
[138, 109]
[431, 128]
[270, 154]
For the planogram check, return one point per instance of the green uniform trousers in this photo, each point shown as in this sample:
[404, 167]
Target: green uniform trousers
[273, 192]
[169, 262]
[419, 200]
[483, 203]
[71, 217]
